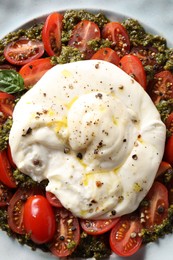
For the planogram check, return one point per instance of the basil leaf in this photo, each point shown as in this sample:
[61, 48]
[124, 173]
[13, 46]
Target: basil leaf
[11, 81]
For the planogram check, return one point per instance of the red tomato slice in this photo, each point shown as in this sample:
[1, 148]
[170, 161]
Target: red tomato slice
[39, 219]
[125, 239]
[106, 54]
[116, 33]
[51, 34]
[53, 200]
[169, 123]
[169, 150]
[6, 175]
[34, 70]
[67, 234]
[23, 51]
[133, 67]
[6, 104]
[5, 195]
[164, 166]
[161, 88]
[97, 227]
[10, 157]
[16, 207]
[155, 209]
[82, 33]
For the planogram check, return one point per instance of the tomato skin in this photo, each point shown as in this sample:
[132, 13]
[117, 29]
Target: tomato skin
[34, 70]
[164, 166]
[133, 67]
[15, 208]
[169, 123]
[5, 195]
[168, 155]
[83, 32]
[51, 34]
[6, 104]
[53, 200]
[156, 206]
[117, 33]
[6, 171]
[161, 88]
[98, 227]
[67, 231]
[121, 240]
[39, 219]
[106, 54]
[23, 51]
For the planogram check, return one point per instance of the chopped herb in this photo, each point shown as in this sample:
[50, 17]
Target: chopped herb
[4, 133]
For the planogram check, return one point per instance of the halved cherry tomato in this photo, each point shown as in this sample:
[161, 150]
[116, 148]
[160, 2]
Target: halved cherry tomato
[51, 34]
[6, 176]
[34, 70]
[39, 219]
[67, 234]
[16, 206]
[155, 208]
[168, 155]
[97, 227]
[5, 195]
[10, 157]
[23, 51]
[6, 104]
[82, 33]
[164, 167]
[106, 54]
[117, 33]
[133, 67]
[161, 88]
[147, 55]
[169, 123]
[125, 239]
[53, 200]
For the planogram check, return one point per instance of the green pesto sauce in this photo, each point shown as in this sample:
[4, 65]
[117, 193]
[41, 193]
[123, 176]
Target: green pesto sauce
[4, 133]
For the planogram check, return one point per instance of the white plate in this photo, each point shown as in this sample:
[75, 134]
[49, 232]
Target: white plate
[9, 248]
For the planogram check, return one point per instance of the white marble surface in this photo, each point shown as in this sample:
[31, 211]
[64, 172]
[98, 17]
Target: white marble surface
[158, 14]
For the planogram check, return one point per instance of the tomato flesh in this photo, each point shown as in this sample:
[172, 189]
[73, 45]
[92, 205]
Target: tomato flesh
[106, 54]
[133, 67]
[169, 123]
[97, 227]
[84, 32]
[51, 34]
[168, 155]
[67, 234]
[125, 239]
[156, 206]
[39, 219]
[5, 195]
[117, 33]
[34, 70]
[23, 51]
[6, 104]
[53, 200]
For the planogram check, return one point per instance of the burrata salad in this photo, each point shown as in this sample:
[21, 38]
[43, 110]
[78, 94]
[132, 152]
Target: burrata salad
[86, 126]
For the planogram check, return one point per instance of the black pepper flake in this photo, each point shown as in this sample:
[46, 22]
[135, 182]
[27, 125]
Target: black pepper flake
[66, 150]
[80, 156]
[29, 130]
[44, 94]
[62, 238]
[161, 209]
[99, 95]
[37, 162]
[134, 156]
[97, 66]
[113, 212]
[121, 87]
[124, 140]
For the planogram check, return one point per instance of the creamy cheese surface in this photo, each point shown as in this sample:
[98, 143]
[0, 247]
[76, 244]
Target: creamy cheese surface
[94, 133]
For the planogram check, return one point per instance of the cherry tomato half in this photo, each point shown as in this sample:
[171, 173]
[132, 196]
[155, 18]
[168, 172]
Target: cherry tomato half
[117, 33]
[67, 234]
[16, 206]
[155, 209]
[125, 239]
[39, 219]
[169, 150]
[53, 200]
[163, 167]
[133, 67]
[169, 123]
[6, 176]
[10, 157]
[5, 195]
[82, 33]
[6, 104]
[51, 34]
[97, 227]
[106, 54]
[161, 88]
[34, 70]
[23, 51]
